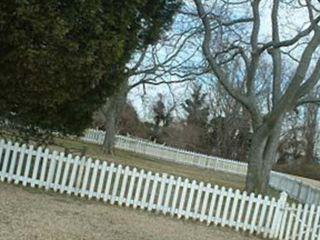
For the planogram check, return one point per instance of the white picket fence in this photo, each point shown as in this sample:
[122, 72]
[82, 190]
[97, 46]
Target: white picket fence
[168, 153]
[296, 189]
[115, 184]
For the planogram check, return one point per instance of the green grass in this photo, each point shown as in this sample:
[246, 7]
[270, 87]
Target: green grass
[150, 164]
[126, 158]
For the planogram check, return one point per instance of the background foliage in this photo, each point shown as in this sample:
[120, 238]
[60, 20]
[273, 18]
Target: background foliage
[60, 59]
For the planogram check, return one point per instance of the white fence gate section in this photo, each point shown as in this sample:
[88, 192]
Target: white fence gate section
[295, 188]
[115, 184]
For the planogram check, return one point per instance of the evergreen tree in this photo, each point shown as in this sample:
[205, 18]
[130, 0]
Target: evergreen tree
[196, 108]
[197, 120]
[59, 60]
[161, 116]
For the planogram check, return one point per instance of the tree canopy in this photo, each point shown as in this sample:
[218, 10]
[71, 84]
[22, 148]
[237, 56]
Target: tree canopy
[60, 59]
[242, 38]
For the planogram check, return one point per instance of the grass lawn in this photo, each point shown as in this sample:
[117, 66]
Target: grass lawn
[140, 161]
[126, 158]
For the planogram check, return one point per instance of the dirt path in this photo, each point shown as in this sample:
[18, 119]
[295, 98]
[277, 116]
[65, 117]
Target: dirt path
[28, 214]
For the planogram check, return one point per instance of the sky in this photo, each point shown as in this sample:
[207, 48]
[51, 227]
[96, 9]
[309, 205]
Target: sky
[291, 20]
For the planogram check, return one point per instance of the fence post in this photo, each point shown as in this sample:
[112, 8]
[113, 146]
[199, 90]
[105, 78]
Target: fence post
[278, 215]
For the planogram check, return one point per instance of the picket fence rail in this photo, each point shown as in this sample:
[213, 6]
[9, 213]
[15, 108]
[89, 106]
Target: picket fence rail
[295, 188]
[160, 193]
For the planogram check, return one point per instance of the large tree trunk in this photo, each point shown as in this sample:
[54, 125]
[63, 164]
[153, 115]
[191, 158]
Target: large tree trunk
[262, 157]
[112, 111]
[310, 132]
[110, 127]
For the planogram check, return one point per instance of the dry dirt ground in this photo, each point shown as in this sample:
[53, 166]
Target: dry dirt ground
[29, 214]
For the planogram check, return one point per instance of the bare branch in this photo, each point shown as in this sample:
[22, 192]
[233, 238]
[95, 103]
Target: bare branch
[220, 74]
[293, 40]
[276, 55]
[308, 101]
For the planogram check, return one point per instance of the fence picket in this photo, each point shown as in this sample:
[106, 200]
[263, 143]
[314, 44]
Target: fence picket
[283, 222]
[242, 203]
[145, 192]
[72, 180]
[268, 230]
[302, 223]
[161, 191]
[310, 220]
[2, 147]
[101, 179]
[58, 172]
[183, 197]
[235, 203]
[92, 183]
[123, 185]
[205, 202]
[36, 166]
[63, 186]
[255, 214]
[190, 200]
[290, 222]
[138, 190]
[278, 215]
[85, 177]
[27, 168]
[226, 208]
[108, 183]
[175, 196]
[116, 183]
[43, 168]
[51, 169]
[218, 218]
[131, 187]
[198, 199]
[316, 225]
[296, 223]
[153, 191]
[20, 162]
[248, 212]
[6, 160]
[212, 204]
[13, 162]
[168, 195]
[262, 219]
[80, 176]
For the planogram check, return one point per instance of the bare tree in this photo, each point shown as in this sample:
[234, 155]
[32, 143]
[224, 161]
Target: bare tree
[165, 63]
[110, 113]
[287, 92]
[311, 122]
